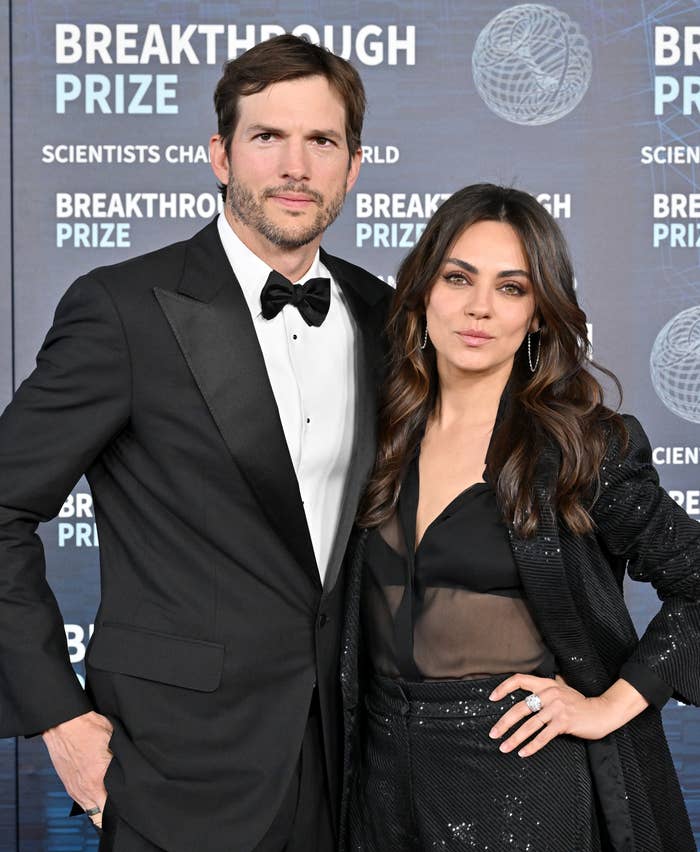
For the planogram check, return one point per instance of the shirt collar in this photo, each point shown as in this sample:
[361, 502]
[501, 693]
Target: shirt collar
[250, 270]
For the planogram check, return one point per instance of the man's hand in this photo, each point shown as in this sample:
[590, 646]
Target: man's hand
[79, 752]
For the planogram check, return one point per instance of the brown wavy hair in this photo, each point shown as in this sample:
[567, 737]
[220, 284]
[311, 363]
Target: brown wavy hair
[560, 405]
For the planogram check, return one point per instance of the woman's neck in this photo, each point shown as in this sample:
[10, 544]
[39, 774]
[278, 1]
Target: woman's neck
[469, 400]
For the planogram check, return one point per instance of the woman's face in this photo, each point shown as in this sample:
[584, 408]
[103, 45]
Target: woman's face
[482, 304]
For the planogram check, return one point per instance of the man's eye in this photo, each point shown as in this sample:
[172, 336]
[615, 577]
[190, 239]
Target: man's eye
[264, 137]
[323, 141]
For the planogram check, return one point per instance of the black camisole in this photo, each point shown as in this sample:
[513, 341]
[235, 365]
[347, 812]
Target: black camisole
[453, 607]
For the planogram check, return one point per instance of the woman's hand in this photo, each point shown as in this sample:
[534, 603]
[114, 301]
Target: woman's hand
[564, 711]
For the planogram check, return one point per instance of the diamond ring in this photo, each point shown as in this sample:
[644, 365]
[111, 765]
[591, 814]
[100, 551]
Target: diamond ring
[534, 702]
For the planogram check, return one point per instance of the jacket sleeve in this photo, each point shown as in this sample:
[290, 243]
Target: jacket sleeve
[69, 408]
[639, 522]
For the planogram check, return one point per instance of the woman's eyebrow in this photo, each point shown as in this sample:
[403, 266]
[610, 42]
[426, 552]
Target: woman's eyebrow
[468, 267]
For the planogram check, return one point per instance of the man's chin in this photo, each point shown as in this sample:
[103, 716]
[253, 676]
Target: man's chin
[291, 238]
[290, 242]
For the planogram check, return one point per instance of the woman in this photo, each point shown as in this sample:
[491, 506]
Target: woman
[496, 694]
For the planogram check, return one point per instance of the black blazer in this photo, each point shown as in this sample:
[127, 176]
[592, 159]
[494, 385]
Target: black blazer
[574, 587]
[213, 626]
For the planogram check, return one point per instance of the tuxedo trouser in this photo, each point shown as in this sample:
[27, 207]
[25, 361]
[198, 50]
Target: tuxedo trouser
[303, 822]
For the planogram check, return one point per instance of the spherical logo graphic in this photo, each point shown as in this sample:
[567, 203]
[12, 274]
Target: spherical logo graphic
[531, 64]
[675, 365]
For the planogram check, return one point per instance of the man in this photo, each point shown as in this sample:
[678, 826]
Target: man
[222, 409]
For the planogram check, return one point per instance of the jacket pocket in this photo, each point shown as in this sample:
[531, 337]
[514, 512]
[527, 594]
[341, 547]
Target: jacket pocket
[162, 657]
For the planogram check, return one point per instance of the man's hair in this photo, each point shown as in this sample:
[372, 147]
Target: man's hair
[288, 57]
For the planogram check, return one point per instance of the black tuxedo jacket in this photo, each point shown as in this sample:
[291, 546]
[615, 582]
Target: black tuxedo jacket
[213, 626]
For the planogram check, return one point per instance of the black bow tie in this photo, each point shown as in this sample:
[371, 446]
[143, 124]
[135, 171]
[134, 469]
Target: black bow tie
[311, 299]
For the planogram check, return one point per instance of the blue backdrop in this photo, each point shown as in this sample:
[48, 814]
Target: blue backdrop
[592, 105]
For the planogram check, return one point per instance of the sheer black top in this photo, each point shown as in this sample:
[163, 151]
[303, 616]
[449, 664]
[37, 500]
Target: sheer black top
[453, 607]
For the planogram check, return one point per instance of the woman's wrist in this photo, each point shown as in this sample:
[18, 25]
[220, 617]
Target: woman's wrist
[620, 703]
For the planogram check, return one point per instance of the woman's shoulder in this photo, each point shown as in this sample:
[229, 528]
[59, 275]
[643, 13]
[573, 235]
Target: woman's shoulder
[626, 437]
[628, 454]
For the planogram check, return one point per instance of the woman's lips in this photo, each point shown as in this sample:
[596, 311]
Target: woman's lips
[474, 338]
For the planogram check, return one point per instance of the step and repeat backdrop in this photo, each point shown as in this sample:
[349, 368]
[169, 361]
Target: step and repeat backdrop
[591, 105]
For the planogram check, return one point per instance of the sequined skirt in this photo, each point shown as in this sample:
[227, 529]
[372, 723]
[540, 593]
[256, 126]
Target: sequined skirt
[430, 778]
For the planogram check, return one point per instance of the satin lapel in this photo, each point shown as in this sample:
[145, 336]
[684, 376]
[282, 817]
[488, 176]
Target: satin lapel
[543, 575]
[212, 324]
[368, 356]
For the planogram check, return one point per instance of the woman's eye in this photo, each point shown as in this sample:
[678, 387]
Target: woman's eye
[512, 289]
[456, 278]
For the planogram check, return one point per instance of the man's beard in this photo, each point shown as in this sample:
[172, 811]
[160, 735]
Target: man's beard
[250, 211]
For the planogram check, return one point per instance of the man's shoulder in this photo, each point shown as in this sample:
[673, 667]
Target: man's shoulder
[161, 267]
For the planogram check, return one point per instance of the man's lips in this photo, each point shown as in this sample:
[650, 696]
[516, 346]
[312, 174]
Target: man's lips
[293, 200]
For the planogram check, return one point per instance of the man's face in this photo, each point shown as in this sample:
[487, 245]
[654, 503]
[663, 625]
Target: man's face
[289, 167]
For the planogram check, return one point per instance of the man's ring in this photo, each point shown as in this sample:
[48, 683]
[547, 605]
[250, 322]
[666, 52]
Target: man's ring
[534, 702]
[91, 812]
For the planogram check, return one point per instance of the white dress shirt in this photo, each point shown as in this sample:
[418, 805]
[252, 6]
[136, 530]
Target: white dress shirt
[312, 374]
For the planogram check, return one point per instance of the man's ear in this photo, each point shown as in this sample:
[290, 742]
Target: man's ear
[218, 157]
[354, 170]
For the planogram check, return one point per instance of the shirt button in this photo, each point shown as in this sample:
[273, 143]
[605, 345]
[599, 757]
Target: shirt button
[322, 619]
[308, 420]
[294, 337]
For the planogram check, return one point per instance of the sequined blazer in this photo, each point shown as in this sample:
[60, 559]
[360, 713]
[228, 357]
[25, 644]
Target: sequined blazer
[574, 585]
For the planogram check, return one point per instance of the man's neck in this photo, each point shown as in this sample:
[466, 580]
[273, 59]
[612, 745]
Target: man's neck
[292, 263]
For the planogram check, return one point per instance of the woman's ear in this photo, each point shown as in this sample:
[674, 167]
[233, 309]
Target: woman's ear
[536, 324]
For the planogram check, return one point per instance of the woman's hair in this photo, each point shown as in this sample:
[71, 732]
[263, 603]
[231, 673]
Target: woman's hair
[561, 403]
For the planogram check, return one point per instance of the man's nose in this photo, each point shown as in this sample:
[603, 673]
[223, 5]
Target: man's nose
[294, 164]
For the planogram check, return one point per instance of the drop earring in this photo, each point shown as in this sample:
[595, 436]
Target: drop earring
[424, 342]
[533, 367]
